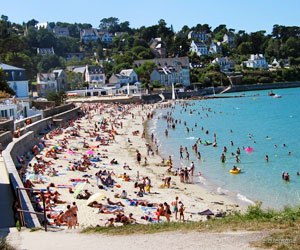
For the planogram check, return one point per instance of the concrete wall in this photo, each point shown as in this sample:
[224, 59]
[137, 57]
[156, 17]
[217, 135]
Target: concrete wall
[265, 86]
[37, 127]
[6, 138]
[70, 114]
[41, 105]
[7, 125]
[18, 147]
[21, 123]
[57, 110]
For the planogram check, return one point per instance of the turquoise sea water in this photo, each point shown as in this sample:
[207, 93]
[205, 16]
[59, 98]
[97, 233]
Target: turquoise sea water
[271, 122]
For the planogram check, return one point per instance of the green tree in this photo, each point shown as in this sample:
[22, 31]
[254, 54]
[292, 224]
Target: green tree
[245, 48]
[48, 62]
[4, 85]
[145, 70]
[74, 81]
[56, 97]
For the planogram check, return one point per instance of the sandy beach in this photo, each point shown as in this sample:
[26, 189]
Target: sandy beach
[123, 148]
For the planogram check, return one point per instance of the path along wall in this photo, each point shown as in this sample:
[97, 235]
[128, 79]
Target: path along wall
[19, 147]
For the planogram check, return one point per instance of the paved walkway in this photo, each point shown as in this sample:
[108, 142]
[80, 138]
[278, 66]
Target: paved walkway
[6, 198]
[68, 239]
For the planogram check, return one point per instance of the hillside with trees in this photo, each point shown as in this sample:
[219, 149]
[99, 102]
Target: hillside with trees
[19, 44]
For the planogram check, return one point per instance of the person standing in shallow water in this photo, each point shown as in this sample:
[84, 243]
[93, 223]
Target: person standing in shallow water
[223, 158]
[181, 151]
[267, 158]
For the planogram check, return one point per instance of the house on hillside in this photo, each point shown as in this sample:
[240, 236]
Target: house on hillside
[170, 74]
[215, 48]
[39, 26]
[51, 82]
[226, 64]
[158, 47]
[199, 36]
[180, 64]
[45, 51]
[46, 83]
[78, 56]
[88, 35]
[61, 78]
[257, 61]
[107, 38]
[61, 31]
[124, 77]
[230, 39]
[95, 76]
[199, 48]
[17, 79]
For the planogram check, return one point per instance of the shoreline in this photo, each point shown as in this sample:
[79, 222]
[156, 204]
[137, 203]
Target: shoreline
[203, 182]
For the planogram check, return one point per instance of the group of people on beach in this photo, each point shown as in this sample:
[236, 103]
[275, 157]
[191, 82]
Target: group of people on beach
[40, 164]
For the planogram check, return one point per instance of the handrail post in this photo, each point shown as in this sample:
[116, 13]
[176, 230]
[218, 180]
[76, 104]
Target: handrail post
[44, 208]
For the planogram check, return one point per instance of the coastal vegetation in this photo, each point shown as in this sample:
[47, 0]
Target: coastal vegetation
[19, 44]
[5, 246]
[283, 226]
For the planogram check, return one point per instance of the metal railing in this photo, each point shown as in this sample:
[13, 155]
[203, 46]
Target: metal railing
[21, 211]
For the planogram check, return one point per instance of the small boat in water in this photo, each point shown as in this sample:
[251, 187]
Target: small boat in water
[277, 96]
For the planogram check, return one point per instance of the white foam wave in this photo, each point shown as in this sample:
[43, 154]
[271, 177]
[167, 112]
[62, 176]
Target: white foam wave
[221, 191]
[245, 199]
[191, 138]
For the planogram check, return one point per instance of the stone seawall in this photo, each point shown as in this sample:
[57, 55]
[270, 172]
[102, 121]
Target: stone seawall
[37, 127]
[7, 125]
[6, 138]
[67, 115]
[18, 147]
[21, 123]
[266, 86]
[57, 110]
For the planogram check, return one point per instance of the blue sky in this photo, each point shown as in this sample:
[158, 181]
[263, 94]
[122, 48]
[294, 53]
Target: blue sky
[238, 14]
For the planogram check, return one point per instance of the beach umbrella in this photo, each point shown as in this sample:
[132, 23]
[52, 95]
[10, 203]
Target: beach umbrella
[78, 189]
[89, 152]
[95, 197]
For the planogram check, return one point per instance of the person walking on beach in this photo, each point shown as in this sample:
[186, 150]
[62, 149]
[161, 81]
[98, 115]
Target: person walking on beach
[192, 169]
[181, 211]
[74, 209]
[175, 207]
[138, 157]
[68, 217]
[167, 211]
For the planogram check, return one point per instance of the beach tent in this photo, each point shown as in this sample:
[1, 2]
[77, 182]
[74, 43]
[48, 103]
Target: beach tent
[95, 197]
[206, 212]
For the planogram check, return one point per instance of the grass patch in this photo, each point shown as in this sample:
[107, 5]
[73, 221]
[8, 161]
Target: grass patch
[285, 225]
[5, 246]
